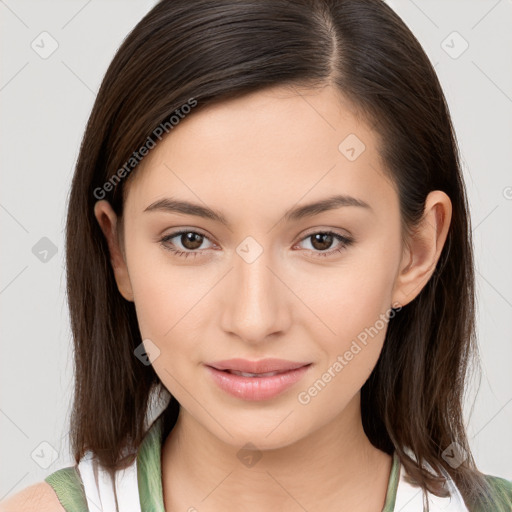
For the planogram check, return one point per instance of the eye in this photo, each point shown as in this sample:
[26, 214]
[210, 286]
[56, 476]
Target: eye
[323, 240]
[191, 241]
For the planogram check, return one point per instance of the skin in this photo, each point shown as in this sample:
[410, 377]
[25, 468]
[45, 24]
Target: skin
[252, 159]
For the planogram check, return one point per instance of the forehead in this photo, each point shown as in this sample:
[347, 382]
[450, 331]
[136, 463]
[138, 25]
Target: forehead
[260, 150]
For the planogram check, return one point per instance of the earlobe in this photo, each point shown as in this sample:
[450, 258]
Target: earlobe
[108, 221]
[423, 250]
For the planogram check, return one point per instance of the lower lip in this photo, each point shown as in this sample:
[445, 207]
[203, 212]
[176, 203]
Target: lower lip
[256, 388]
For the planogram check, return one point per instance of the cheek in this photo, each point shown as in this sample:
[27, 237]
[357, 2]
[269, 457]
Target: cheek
[356, 310]
[352, 295]
[166, 294]
[169, 312]
[352, 305]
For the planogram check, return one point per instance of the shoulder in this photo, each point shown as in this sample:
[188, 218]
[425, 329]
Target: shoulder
[500, 484]
[39, 497]
[501, 491]
[498, 498]
[61, 491]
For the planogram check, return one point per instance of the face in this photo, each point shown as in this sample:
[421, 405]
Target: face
[257, 281]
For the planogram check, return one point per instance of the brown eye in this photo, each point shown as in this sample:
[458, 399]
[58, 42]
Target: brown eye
[189, 241]
[322, 241]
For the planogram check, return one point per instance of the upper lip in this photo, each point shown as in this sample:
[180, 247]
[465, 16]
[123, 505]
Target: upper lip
[261, 366]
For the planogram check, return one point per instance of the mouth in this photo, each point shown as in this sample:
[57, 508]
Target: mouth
[256, 386]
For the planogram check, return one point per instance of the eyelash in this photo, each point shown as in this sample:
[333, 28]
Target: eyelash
[344, 243]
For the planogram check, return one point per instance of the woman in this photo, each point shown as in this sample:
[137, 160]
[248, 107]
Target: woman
[268, 225]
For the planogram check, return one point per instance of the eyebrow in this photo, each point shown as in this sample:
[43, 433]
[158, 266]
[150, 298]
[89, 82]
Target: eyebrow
[171, 205]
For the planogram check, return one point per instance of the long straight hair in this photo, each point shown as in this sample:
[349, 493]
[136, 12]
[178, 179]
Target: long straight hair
[213, 50]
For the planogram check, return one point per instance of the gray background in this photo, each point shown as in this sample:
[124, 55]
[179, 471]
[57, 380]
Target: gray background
[45, 104]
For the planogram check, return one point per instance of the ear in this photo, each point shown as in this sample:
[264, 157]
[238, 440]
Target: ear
[423, 249]
[108, 222]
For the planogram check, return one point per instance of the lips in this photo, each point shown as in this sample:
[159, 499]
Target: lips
[257, 386]
[262, 368]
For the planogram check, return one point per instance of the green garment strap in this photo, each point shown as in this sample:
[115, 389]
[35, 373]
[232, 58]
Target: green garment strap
[389, 504]
[501, 496]
[149, 469]
[69, 489]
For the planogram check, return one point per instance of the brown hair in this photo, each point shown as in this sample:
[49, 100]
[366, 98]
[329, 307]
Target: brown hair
[212, 50]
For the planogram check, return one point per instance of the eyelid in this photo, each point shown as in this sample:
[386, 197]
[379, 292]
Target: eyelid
[337, 231]
[185, 229]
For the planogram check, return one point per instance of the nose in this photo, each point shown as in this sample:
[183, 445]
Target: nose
[256, 302]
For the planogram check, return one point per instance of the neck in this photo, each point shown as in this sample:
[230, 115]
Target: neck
[330, 469]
